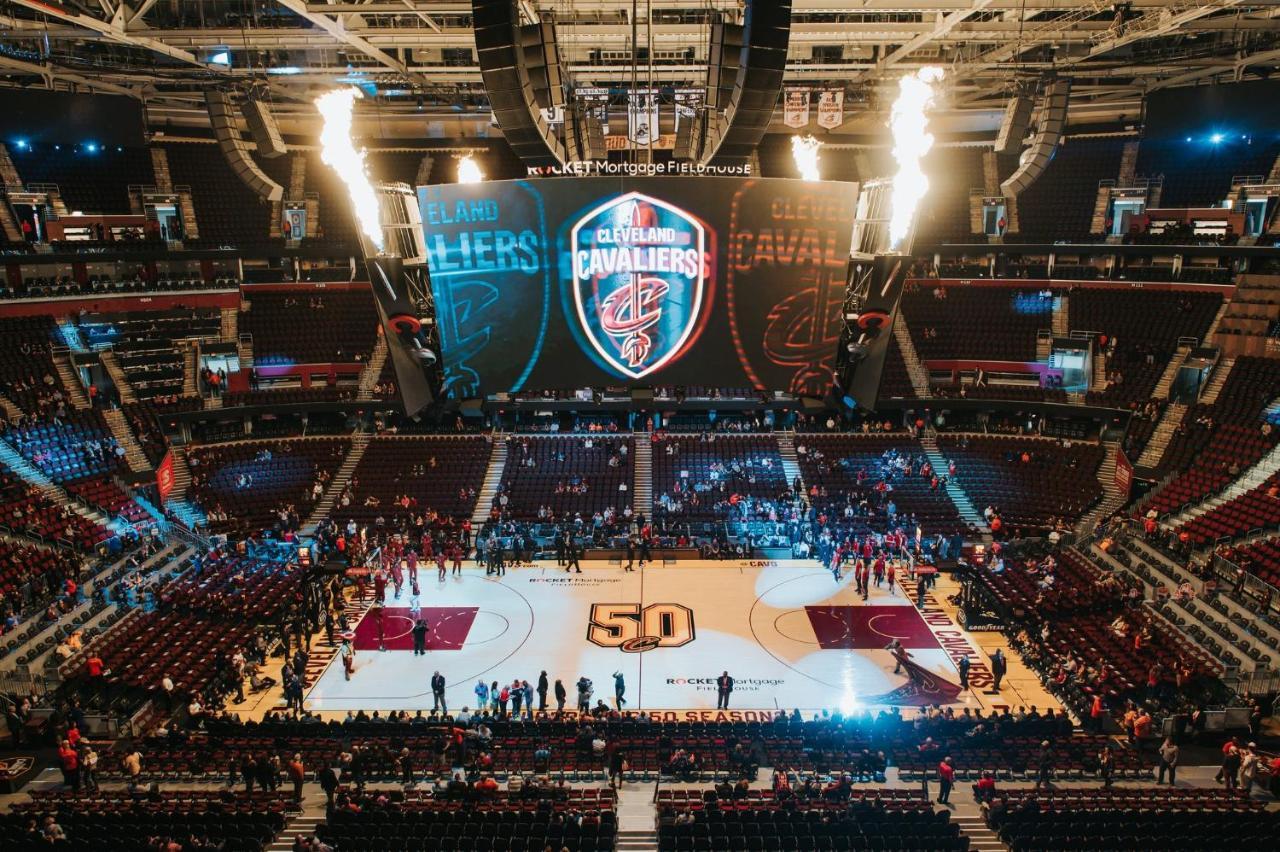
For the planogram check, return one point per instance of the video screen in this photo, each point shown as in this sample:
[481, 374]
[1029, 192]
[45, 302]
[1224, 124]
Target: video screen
[563, 283]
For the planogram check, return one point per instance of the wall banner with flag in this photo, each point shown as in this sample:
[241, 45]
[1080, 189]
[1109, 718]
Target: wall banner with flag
[831, 108]
[796, 108]
[164, 476]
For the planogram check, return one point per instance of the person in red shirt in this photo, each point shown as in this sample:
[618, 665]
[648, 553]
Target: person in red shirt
[986, 788]
[69, 759]
[946, 780]
[93, 666]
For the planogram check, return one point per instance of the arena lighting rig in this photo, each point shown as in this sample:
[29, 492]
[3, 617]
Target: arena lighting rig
[395, 254]
[883, 226]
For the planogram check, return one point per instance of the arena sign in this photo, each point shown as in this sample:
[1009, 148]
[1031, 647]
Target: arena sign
[604, 168]
[602, 281]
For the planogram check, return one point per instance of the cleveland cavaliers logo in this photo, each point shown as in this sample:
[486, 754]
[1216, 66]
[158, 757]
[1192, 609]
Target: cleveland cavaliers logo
[640, 273]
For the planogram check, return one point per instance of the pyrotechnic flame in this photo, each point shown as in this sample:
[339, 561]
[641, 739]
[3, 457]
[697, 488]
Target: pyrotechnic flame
[805, 151]
[911, 141]
[469, 171]
[338, 152]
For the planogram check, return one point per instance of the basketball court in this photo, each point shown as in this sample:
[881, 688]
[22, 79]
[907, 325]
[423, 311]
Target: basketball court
[789, 634]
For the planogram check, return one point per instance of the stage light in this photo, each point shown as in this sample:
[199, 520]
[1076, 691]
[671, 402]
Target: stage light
[805, 151]
[1216, 138]
[20, 144]
[911, 141]
[338, 152]
[91, 147]
[469, 171]
[1188, 138]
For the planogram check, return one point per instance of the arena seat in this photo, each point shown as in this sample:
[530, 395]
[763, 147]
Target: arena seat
[310, 327]
[575, 820]
[1056, 481]
[1260, 558]
[1216, 442]
[227, 211]
[848, 468]
[251, 482]
[974, 323]
[28, 376]
[865, 821]
[124, 821]
[569, 475]
[90, 182]
[441, 476]
[702, 477]
[1059, 204]
[1148, 818]
[1253, 511]
[1199, 175]
[1145, 326]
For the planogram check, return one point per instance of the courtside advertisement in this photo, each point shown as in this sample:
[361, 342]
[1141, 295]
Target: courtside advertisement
[569, 283]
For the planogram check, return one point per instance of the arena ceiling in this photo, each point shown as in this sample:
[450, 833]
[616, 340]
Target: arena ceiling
[417, 56]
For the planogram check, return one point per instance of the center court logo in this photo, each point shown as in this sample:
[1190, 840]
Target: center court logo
[640, 273]
[634, 629]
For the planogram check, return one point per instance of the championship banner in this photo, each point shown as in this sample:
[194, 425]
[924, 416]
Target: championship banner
[687, 105]
[164, 476]
[796, 108]
[831, 108]
[642, 118]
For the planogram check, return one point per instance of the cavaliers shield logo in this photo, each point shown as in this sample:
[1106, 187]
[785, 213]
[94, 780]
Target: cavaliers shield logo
[639, 281]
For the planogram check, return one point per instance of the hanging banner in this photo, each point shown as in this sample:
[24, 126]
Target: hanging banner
[686, 105]
[796, 108]
[642, 118]
[831, 108]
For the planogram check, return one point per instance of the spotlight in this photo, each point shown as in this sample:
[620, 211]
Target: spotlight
[1216, 138]
[20, 144]
[91, 147]
[1188, 138]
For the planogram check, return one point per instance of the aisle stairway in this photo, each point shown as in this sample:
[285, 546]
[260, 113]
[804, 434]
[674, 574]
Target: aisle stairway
[1061, 315]
[359, 443]
[70, 380]
[964, 506]
[373, 369]
[1112, 497]
[1221, 372]
[642, 495]
[492, 479]
[302, 825]
[118, 378]
[636, 829]
[120, 430]
[790, 461]
[1169, 422]
[185, 511]
[190, 373]
[10, 408]
[230, 326]
[1165, 384]
[915, 370]
[981, 838]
